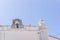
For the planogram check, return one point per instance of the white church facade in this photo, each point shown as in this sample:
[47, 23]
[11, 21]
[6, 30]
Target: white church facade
[18, 31]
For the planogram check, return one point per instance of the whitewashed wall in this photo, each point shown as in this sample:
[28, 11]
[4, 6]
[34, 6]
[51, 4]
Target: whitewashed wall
[22, 35]
[19, 35]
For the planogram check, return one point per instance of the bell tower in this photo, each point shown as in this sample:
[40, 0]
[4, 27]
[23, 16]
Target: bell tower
[17, 23]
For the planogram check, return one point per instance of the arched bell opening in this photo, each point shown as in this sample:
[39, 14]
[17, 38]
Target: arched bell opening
[17, 23]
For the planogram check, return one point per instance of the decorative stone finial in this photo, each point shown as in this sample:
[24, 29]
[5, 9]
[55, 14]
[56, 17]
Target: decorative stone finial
[42, 23]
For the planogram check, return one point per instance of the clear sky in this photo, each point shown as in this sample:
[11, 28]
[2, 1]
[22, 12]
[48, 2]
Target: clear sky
[31, 11]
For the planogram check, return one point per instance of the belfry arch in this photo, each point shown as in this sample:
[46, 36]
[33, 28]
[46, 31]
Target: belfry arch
[17, 23]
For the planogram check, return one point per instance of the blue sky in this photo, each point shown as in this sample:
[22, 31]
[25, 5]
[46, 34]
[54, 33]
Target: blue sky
[31, 11]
